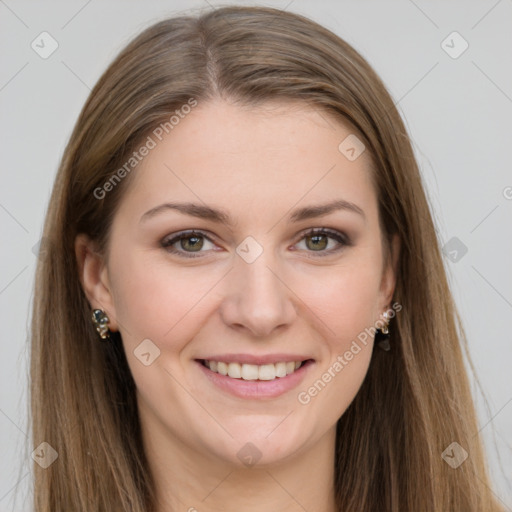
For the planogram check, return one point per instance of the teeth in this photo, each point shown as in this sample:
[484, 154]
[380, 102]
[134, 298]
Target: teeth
[222, 368]
[281, 369]
[253, 371]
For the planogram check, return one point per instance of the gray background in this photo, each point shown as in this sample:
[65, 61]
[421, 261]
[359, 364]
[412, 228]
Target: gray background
[457, 111]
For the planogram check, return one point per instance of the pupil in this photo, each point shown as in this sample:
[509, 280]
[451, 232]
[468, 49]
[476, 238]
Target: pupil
[195, 245]
[316, 246]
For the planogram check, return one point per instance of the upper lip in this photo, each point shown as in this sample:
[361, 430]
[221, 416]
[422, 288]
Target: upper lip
[258, 360]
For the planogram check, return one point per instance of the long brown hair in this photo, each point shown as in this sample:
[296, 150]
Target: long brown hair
[415, 400]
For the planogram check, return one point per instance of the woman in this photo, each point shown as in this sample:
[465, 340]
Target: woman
[243, 304]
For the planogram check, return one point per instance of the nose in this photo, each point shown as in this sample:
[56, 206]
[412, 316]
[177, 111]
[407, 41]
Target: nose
[257, 298]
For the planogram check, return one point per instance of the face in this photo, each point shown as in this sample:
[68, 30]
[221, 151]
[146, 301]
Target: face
[266, 280]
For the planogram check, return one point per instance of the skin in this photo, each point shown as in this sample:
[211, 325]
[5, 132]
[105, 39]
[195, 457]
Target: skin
[258, 164]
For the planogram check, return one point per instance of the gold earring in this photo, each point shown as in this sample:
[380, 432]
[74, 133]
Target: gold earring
[100, 321]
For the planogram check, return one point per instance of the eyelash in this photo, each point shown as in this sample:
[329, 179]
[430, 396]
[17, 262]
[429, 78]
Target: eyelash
[341, 238]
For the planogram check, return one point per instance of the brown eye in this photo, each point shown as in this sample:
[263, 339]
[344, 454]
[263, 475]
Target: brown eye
[187, 243]
[193, 243]
[317, 242]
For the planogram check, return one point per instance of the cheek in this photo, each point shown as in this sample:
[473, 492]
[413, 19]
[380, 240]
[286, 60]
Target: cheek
[344, 304]
[158, 300]
[344, 298]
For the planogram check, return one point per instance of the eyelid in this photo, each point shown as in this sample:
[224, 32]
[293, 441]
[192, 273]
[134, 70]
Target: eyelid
[324, 230]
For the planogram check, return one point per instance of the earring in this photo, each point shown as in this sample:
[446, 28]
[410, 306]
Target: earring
[382, 335]
[100, 321]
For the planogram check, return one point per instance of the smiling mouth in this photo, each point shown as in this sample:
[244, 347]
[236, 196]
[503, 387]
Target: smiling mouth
[253, 372]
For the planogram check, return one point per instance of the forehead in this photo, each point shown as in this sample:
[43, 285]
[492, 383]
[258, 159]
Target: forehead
[252, 159]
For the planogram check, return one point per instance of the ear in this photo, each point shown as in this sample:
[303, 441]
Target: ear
[93, 274]
[389, 274]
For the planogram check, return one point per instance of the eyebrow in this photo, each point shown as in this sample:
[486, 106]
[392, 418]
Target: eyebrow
[222, 217]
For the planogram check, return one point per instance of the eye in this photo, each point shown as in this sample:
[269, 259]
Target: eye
[189, 242]
[317, 240]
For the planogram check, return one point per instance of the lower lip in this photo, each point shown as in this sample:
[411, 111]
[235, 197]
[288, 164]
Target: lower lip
[257, 388]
